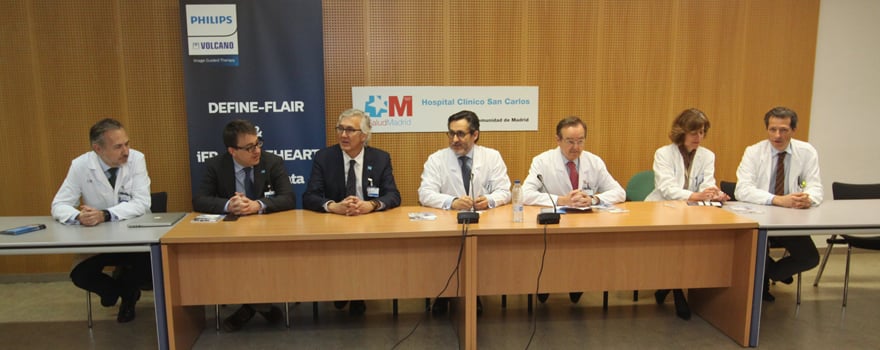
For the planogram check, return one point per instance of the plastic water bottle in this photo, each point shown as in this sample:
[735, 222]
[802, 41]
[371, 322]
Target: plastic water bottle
[517, 196]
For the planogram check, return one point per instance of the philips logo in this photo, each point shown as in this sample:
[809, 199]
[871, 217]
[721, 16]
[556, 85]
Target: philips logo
[212, 30]
[378, 106]
[210, 20]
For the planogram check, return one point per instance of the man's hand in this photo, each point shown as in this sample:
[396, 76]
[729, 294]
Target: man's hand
[351, 206]
[576, 198]
[482, 203]
[240, 205]
[89, 216]
[462, 203]
[793, 200]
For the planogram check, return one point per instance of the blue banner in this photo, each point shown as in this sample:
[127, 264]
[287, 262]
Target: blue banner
[257, 60]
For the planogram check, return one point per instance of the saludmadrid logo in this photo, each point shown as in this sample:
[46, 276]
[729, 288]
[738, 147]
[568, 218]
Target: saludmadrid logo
[212, 34]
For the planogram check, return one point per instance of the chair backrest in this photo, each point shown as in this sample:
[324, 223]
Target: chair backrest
[640, 186]
[842, 190]
[729, 188]
[159, 202]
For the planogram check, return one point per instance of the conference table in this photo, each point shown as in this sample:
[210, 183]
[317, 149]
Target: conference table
[114, 237]
[306, 256]
[851, 217]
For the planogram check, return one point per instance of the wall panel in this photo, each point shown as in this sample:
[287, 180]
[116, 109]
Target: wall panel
[626, 66]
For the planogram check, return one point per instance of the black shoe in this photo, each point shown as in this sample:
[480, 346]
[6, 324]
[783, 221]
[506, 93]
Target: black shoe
[660, 296]
[575, 296]
[357, 308]
[542, 297]
[766, 295]
[126, 309]
[274, 315]
[340, 304]
[682, 310]
[237, 320]
[788, 280]
[440, 307]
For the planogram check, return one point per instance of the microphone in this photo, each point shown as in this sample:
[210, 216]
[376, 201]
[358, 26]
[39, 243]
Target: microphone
[470, 217]
[548, 218]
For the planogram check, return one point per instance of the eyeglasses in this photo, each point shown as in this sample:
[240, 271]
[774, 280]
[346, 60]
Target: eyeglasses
[575, 142]
[251, 148]
[351, 131]
[460, 134]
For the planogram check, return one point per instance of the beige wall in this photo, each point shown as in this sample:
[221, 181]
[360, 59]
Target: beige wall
[626, 67]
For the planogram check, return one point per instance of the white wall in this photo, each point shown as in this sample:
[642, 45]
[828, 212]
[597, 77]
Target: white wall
[845, 119]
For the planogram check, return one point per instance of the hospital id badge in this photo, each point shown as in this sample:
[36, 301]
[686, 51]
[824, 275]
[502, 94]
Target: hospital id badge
[372, 192]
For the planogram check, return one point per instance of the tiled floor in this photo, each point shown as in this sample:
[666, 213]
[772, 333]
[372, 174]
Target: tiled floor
[50, 314]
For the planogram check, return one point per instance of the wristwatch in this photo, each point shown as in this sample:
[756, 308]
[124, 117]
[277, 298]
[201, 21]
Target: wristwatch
[106, 215]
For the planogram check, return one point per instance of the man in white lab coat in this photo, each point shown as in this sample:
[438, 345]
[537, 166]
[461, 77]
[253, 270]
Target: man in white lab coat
[443, 178]
[784, 172]
[108, 183]
[573, 177]
[464, 176]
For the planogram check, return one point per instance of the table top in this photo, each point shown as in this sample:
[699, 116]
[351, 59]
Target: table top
[62, 238]
[395, 223]
[835, 216]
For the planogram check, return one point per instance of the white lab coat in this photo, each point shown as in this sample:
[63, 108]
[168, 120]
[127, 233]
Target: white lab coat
[86, 180]
[441, 177]
[592, 174]
[757, 165]
[669, 173]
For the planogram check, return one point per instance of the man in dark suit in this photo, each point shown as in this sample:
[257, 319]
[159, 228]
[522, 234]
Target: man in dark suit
[245, 181]
[350, 178]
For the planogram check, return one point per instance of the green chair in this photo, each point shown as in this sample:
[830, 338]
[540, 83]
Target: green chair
[640, 186]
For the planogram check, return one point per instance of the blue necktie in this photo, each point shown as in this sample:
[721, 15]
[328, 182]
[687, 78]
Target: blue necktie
[249, 183]
[465, 174]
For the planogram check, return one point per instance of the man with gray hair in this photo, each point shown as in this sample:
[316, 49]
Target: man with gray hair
[351, 178]
[108, 183]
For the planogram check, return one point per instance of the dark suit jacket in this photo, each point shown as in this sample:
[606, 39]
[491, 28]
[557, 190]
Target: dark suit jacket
[327, 182]
[218, 185]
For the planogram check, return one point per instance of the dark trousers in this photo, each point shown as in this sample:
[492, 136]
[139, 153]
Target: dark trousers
[89, 274]
[802, 256]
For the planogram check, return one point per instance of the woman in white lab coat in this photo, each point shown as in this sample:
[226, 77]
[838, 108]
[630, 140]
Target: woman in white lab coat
[685, 171]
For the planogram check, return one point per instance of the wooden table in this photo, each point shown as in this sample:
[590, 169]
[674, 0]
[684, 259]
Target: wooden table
[385, 255]
[655, 245]
[266, 258]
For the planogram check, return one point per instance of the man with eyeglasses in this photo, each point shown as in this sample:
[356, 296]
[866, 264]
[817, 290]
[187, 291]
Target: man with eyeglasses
[108, 183]
[784, 172]
[573, 176]
[463, 176]
[351, 178]
[245, 181]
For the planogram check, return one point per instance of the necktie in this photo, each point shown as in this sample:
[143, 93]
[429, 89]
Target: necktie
[351, 180]
[572, 175]
[779, 188]
[465, 174]
[249, 183]
[112, 178]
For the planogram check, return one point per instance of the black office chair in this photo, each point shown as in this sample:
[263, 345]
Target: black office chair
[844, 191]
[729, 188]
[158, 204]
